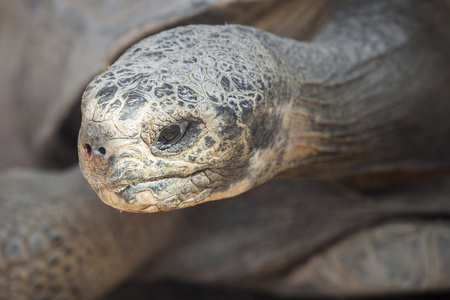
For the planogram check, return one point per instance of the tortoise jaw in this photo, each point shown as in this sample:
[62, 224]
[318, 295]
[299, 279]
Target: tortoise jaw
[144, 202]
[161, 194]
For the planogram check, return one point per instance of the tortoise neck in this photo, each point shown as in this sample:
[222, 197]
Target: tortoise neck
[350, 112]
[349, 48]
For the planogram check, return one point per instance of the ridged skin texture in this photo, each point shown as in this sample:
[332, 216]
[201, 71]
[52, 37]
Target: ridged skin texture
[220, 80]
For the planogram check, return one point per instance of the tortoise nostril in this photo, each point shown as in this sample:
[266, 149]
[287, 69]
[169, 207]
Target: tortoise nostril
[88, 149]
[102, 150]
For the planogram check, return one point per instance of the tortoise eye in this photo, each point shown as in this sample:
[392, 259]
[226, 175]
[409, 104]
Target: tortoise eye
[171, 134]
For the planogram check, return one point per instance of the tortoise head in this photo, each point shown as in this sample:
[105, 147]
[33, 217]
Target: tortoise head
[183, 117]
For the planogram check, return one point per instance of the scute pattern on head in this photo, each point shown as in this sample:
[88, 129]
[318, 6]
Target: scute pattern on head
[182, 68]
[217, 78]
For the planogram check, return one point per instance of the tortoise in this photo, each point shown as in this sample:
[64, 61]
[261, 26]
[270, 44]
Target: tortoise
[358, 109]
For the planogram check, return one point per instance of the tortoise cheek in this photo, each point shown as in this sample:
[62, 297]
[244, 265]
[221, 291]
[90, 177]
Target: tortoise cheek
[226, 124]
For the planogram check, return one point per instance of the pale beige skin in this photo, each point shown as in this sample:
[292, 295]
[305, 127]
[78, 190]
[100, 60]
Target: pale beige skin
[255, 106]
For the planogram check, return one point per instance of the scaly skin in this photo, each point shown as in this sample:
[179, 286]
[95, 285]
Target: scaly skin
[249, 106]
[147, 90]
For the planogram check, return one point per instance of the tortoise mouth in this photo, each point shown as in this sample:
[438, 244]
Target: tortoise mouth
[161, 194]
[117, 201]
[174, 191]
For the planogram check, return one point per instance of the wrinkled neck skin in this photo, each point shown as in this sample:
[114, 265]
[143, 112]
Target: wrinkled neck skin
[356, 95]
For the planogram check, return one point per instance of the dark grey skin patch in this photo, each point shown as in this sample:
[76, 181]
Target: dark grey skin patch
[215, 95]
[247, 110]
[105, 95]
[121, 71]
[226, 84]
[209, 142]
[126, 81]
[114, 106]
[230, 130]
[230, 114]
[187, 94]
[241, 83]
[165, 90]
[263, 131]
[134, 102]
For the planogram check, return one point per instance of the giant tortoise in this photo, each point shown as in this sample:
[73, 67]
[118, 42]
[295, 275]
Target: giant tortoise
[351, 119]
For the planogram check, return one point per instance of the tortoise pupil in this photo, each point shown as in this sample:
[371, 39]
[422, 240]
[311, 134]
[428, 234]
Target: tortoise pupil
[170, 133]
